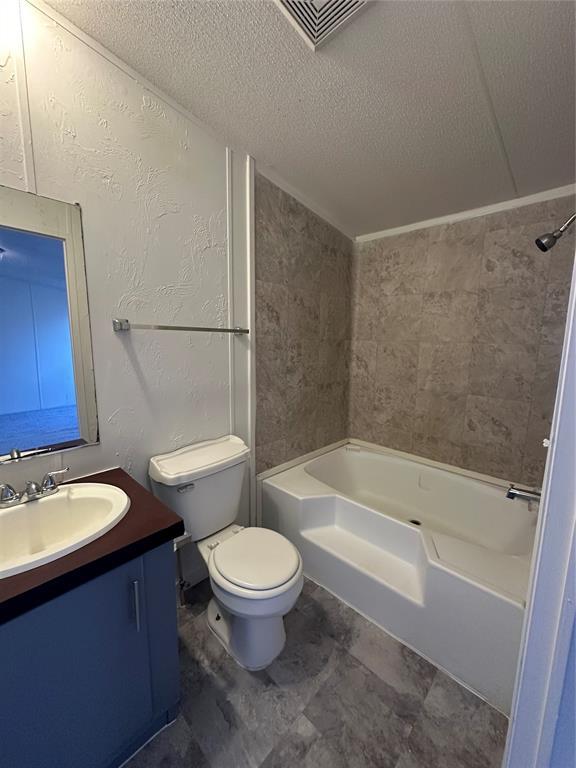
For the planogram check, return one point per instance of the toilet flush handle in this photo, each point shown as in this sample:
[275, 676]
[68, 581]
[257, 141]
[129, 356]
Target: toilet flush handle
[185, 488]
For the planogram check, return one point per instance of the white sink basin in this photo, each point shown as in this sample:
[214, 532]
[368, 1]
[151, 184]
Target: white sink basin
[40, 531]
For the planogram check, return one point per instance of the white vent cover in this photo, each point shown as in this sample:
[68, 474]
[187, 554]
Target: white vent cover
[317, 20]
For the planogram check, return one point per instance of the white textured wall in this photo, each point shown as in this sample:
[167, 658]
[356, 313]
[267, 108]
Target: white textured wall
[152, 186]
[11, 150]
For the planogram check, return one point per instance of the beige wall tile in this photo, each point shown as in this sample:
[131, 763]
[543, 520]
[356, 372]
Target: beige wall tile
[533, 465]
[360, 421]
[504, 462]
[440, 415]
[270, 455]
[301, 364]
[270, 417]
[546, 379]
[491, 421]
[303, 313]
[399, 318]
[364, 356]
[512, 259]
[367, 271]
[273, 364]
[470, 231]
[394, 406]
[445, 342]
[303, 328]
[365, 318]
[272, 315]
[507, 316]
[438, 448]
[334, 362]
[272, 243]
[549, 211]
[385, 434]
[299, 444]
[449, 316]
[555, 309]
[444, 368]
[399, 262]
[335, 318]
[332, 416]
[562, 258]
[454, 265]
[397, 364]
[490, 332]
[503, 370]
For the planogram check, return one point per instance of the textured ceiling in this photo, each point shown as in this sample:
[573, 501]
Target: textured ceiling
[414, 110]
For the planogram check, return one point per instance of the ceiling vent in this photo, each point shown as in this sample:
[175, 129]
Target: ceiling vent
[318, 20]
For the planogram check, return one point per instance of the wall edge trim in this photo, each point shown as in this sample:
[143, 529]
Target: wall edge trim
[473, 213]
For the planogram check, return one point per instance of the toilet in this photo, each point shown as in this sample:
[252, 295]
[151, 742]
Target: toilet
[255, 573]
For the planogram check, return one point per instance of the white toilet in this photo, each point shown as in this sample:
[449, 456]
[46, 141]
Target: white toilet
[256, 574]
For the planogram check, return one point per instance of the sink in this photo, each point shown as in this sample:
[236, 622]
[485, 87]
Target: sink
[40, 531]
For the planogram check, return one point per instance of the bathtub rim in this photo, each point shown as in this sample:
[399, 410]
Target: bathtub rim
[378, 449]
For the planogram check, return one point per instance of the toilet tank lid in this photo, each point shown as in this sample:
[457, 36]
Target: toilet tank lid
[197, 460]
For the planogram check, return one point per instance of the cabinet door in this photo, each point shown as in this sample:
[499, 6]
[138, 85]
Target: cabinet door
[74, 675]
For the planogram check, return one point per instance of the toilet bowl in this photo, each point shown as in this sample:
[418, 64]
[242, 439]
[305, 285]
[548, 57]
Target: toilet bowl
[255, 573]
[256, 577]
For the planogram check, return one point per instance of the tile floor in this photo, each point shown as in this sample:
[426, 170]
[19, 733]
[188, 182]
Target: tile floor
[343, 694]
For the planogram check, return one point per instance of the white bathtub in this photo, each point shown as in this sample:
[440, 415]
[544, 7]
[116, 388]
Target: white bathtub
[437, 558]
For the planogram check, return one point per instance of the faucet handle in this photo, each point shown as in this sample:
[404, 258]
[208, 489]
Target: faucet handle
[33, 490]
[50, 479]
[8, 495]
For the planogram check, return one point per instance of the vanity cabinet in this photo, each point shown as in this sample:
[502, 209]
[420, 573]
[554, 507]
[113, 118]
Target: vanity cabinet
[90, 675]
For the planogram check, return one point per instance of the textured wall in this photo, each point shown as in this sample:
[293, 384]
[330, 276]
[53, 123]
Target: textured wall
[11, 151]
[457, 336]
[303, 279]
[152, 187]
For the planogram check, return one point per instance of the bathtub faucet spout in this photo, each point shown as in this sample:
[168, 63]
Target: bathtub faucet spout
[522, 493]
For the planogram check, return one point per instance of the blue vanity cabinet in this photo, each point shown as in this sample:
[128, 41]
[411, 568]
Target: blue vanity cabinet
[89, 676]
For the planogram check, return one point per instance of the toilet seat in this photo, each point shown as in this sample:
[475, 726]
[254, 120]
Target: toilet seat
[255, 563]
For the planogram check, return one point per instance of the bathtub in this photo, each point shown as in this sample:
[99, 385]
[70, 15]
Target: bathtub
[437, 557]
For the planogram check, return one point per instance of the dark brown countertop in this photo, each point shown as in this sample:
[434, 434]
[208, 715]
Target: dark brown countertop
[147, 524]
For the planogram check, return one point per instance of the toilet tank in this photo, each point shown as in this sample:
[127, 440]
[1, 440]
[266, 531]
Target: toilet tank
[202, 483]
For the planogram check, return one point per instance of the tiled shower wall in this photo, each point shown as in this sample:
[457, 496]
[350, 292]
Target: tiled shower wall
[457, 336]
[303, 328]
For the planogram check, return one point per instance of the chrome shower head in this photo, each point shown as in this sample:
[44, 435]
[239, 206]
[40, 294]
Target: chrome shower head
[549, 240]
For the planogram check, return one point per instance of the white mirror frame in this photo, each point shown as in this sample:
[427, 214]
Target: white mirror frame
[42, 215]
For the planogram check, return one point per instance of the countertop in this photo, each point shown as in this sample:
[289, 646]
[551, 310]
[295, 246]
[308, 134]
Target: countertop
[147, 524]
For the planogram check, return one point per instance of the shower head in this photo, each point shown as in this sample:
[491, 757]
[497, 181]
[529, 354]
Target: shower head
[549, 240]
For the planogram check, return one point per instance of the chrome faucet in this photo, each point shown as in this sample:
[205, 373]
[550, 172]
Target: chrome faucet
[33, 490]
[50, 481]
[522, 493]
[9, 497]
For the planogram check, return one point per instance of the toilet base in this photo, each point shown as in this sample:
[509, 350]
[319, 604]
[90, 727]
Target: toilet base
[253, 643]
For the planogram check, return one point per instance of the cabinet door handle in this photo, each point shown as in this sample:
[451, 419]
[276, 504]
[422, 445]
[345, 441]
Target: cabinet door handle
[136, 596]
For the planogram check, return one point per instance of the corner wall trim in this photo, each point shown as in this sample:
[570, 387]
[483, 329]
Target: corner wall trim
[505, 205]
[23, 100]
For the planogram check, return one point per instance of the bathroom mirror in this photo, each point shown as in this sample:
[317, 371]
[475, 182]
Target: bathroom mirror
[47, 393]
